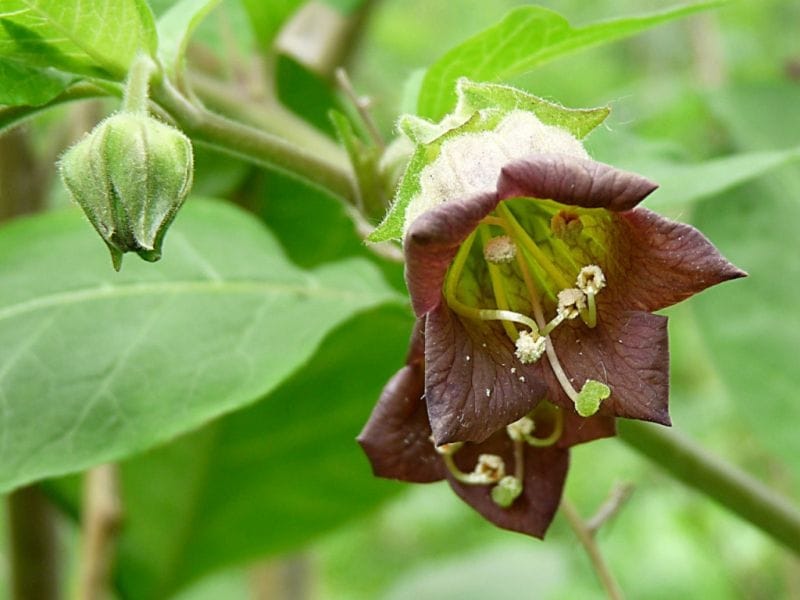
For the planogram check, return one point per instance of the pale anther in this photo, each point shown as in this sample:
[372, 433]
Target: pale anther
[529, 348]
[518, 430]
[571, 302]
[591, 279]
[500, 250]
[490, 469]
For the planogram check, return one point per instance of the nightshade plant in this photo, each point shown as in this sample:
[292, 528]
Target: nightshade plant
[291, 245]
[534, 276]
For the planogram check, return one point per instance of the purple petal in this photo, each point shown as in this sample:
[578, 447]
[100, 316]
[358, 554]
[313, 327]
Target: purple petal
[660, 262]
[628, 351]
[575, 181]
[545, 473]
[579, 430]
[396, 439]
[474, 385]
[432, 242]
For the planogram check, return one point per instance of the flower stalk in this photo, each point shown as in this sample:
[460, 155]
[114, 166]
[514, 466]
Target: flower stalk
[734, 489]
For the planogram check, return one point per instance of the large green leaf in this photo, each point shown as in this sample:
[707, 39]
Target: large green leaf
[527, 37]
[267, 479]
[98, 365]
[79, 36]
[24, 85]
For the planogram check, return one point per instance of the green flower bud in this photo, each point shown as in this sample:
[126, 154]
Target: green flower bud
[130, 176]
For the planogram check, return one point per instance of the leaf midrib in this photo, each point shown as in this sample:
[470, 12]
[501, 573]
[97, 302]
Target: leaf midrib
[238, 287]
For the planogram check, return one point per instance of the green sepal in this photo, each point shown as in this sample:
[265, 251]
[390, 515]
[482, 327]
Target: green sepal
[473, 96]
[424, 154]
[481, 106]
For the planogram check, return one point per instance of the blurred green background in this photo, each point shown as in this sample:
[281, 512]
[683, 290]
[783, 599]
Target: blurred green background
[719, 84]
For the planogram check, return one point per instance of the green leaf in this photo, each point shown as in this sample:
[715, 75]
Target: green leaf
[175, 27]
[24, 85]
[78, 36]
[14, 114]
[267, 479]
[98, 365]
[526, 38]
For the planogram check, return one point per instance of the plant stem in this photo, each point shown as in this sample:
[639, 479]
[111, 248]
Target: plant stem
[33, 545]
[102, 517]
[588, 542]
[258, 147]
[268, 115]
[137, 85]
[731, 487]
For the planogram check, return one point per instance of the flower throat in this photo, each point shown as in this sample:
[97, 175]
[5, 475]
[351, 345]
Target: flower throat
[527, 272]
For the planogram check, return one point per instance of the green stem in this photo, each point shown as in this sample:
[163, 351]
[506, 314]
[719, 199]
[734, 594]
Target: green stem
[138, 84]
[255, 146]
[587, 540]
[269, 115]
[731, 487]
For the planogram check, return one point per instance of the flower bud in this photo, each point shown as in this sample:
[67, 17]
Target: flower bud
[130, 176]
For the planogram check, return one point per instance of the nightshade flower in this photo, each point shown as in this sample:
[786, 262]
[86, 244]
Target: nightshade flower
[514, 478]
[534, 275]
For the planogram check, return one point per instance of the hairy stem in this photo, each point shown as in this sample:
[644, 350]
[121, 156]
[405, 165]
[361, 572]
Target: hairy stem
[588, 542]
[731, 487]
[254, 145]
[138, 84]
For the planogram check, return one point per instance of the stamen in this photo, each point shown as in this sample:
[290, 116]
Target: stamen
[555, 435]
[500, 250]
[590, 280]
[522, 429]
[571, 302]
[521, 236]
[529, 348]
[554, 322]
[558, 371]
[498, 290]
[519, 429]
[490, 468]
[448, 449]
[487, 314]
